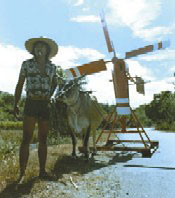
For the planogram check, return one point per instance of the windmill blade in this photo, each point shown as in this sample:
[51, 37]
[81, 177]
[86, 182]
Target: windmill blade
[86, 69]
[148, 48]
[106, 33]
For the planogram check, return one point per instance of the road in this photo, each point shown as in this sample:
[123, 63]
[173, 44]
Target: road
[150, 177]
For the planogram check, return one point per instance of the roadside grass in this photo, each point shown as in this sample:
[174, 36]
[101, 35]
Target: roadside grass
[58, 159]
[11, 125]
[9, 172]
[9, 149]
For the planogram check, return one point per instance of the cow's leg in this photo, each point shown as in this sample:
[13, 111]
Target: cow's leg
[74, 143]
[85, 143]
[94, 152]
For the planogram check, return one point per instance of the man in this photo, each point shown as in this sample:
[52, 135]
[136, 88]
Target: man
[41, 81]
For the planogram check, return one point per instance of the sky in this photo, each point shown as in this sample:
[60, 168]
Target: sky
[75, 26]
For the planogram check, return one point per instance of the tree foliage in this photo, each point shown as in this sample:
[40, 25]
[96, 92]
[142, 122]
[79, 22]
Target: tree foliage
[162, 109]
[6, 106]
[143, 118]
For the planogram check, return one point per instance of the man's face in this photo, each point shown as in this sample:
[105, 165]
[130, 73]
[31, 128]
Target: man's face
[40, 49]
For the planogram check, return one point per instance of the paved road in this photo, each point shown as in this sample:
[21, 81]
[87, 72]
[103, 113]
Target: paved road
[150, 177]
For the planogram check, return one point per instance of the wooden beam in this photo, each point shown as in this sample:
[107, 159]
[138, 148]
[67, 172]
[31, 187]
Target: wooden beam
[152, 144]
[118, 131]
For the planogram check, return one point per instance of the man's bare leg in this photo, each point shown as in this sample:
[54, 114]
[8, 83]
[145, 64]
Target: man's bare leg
[28, 128]
[43, 129]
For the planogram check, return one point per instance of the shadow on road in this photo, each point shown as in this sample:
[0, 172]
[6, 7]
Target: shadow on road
[143, 166]
[67, 165]
[121, 158]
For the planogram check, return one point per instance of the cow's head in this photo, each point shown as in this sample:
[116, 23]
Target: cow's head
[69, 91]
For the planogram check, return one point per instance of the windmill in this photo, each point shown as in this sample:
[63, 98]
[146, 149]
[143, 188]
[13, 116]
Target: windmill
[122, 110]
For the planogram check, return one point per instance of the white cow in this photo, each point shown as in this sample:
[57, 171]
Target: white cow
[83, 112]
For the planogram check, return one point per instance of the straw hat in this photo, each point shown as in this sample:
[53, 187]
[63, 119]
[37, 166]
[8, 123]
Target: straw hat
[53, 46]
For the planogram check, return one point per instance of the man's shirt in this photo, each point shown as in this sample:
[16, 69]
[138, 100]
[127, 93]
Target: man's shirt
[37, 84]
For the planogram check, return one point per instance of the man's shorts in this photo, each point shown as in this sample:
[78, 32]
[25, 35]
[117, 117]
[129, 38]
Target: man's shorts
[37, 108]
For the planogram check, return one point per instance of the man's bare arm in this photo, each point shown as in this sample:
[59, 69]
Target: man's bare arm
[18, 92]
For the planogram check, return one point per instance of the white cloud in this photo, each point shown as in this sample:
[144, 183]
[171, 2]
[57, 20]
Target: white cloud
[150, 34]
[101, 86]
[150, 89]
[79, 2]
[70, 56]
[86, 19]
[85, 9]
[136, 69]
[172, 69]
[138, 15]
[12, 58]
[10, 61]
[167, 54]
[75, 3]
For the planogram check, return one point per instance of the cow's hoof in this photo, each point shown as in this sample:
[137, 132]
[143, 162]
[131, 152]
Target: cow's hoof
[74, 156]
[93, 155]
[94, 152]
[86, 156]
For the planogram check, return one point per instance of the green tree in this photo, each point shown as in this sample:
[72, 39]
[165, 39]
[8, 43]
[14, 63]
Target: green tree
[143, 118]
[162, 109]
[6, 106]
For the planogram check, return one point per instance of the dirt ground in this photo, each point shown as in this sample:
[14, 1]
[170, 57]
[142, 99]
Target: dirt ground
[72, 178]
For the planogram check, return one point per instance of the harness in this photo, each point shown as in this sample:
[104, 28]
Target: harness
[74, 82]
[77, 102]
